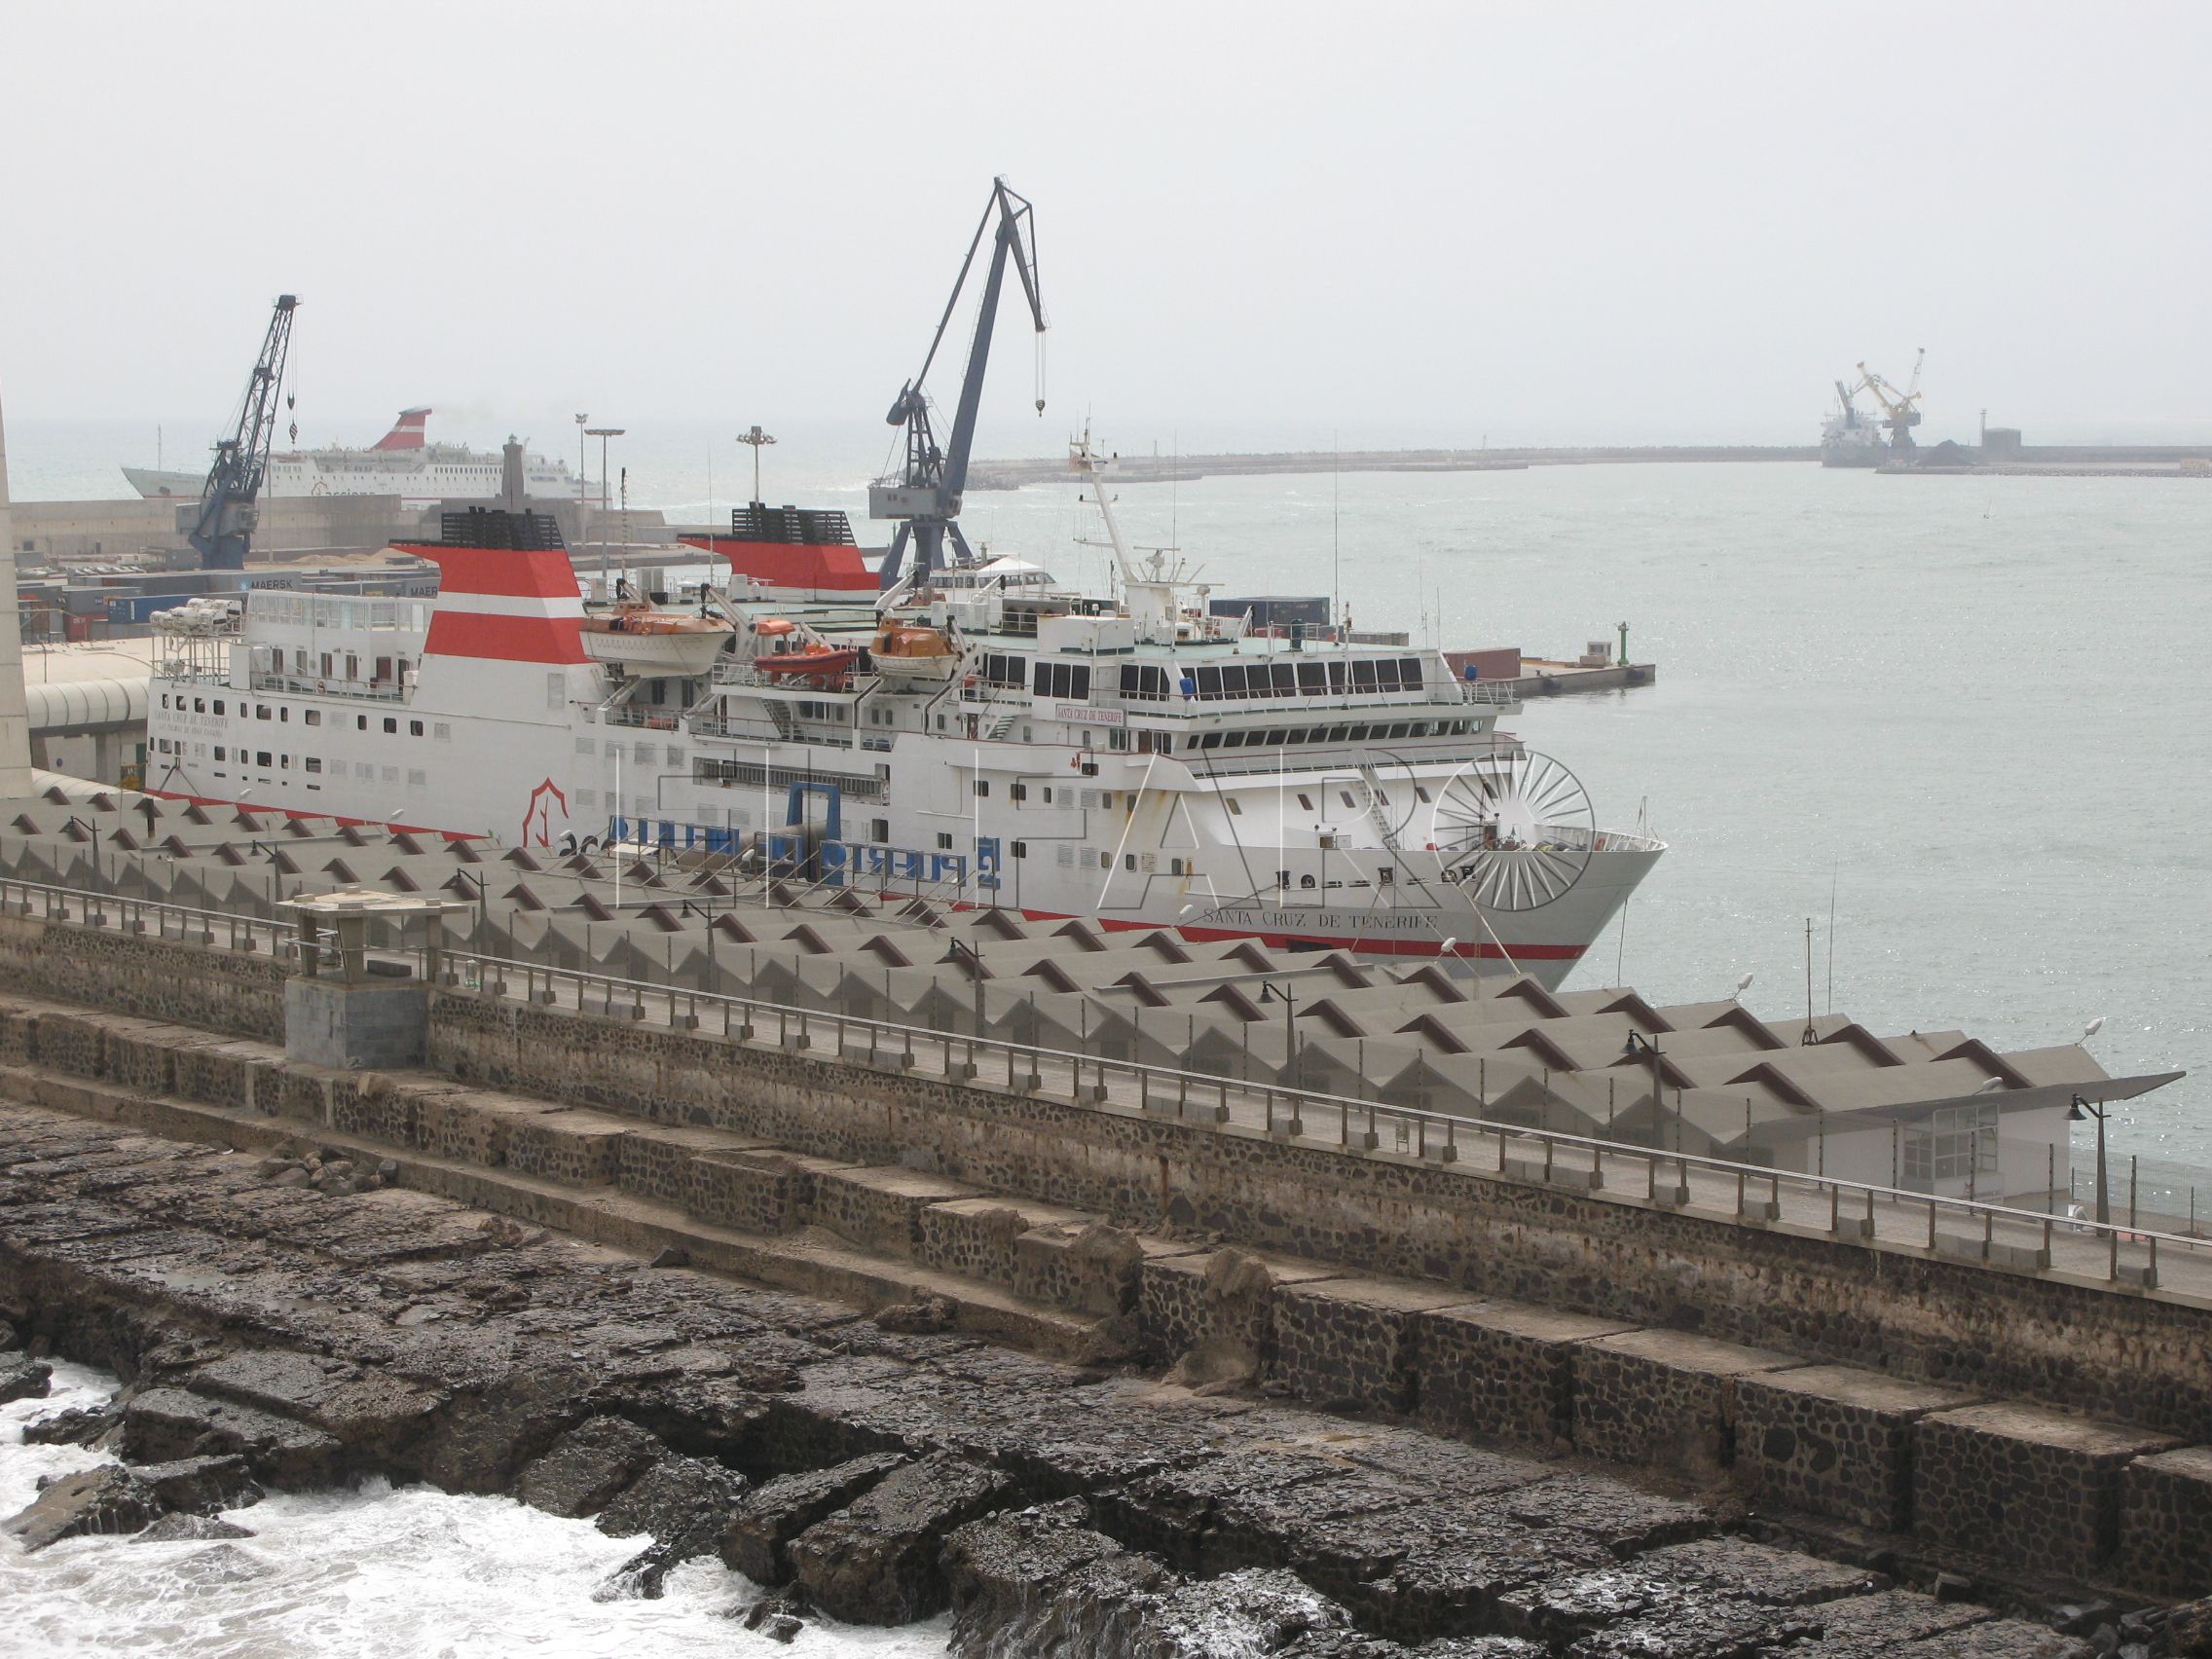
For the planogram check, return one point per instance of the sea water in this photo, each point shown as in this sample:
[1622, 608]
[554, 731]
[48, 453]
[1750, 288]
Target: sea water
[370, 1572]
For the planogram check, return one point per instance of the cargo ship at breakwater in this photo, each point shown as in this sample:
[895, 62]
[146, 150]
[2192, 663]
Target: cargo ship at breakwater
[977, 736]
[403, 463]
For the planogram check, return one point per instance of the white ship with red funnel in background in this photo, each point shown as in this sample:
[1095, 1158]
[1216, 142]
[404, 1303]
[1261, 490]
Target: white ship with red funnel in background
[403, 463]
[979, 736]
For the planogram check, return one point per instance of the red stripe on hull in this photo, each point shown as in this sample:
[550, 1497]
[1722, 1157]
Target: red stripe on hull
[302, 812]
[550, 639]
[501, 573]
[790, 565]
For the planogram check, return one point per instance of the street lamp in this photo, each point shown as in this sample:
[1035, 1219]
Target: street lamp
[967, 949]
[757, 440]
[2080, 1111]
[603, 434]
[1272, 990]
[583, 471]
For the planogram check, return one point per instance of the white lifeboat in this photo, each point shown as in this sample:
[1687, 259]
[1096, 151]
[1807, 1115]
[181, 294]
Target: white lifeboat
[650, 641]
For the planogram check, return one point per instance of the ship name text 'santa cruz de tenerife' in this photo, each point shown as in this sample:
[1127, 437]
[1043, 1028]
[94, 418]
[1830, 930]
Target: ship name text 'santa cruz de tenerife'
[976, 735]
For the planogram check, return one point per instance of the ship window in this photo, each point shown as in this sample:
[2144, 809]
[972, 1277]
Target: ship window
[1387, 674]
[360, 722]
[391, 725]
[416, 779]
[1129, 860]
[1337, 734]
[1344, 796]
[353, 666]
[944, 840]
[1018, 791]
[260, 759]
[312, 717]
[879, 831]
[984, 786]
[1166, 744]
[1363, 673]
[220, 754]
[1312, 675]
[311, 763]
[284, 715]
[1335, 676]
[584, 745]
[261, 711]
[1021, 849]
[444, 732]
[1174, 866]
[383, 669]
[413, 728]
[165, 699]
[1210, 682]
[1409, 670]
[218, 705]
[1420, 791]
[1285, 676]
[1234, 810]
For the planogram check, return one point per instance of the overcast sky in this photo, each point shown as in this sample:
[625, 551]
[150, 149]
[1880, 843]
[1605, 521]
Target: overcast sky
[1407, 222]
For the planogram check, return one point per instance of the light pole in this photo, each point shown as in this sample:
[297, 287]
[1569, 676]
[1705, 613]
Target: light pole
[583, 471]
[603, 434]
[1273, 991]
[2078, 1111]
[757, 440]
[959, 947]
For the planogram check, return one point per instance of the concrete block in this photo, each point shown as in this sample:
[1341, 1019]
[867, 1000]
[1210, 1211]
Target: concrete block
[977, 1237]
[1088, 1267]
[754, 1192]
[2165, 1522]
[1503, 1371]
[330, 1024]
[1663, 1397]
[650, 1161]
[2033, 1488]
[575, 1146]
[1353, 1341]
[881, 1207]
[1833, 1440]
[72, 1043]
[1222, 1298]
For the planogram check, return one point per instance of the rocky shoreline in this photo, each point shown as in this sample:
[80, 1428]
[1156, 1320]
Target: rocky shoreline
[295, 1335]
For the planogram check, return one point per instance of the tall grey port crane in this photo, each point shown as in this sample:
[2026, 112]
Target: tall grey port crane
[1900, 411]
[925, 497]
[221, 527]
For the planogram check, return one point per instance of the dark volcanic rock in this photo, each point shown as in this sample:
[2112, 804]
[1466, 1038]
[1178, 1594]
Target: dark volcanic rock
[163, 1424]
[106, 1500]
[202, 1485]
[79, 1425]
[875, 1562]
[190, 1529]
[589, 1467]
[683, 1503]
[23, 1378]
[771, 1516]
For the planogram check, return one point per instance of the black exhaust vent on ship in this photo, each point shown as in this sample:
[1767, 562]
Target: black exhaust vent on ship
[797, 525]
[493, 527]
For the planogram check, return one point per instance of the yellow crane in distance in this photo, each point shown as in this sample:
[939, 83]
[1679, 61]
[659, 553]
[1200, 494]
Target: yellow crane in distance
[1900, 411]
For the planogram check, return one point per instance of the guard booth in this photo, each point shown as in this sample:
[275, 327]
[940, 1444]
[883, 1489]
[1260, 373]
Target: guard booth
[355, 1000]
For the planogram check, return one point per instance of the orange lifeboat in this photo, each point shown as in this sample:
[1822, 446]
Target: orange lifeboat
[825, 662]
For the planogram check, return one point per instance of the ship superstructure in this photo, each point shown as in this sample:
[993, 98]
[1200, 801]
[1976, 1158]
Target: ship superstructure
[977, 736]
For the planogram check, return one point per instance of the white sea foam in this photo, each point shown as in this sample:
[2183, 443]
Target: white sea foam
[379, 1571]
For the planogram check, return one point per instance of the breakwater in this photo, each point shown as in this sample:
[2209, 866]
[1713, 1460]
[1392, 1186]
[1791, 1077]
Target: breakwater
[703, 1154]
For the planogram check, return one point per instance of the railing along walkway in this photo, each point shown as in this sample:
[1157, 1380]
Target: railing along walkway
[1950, 1228]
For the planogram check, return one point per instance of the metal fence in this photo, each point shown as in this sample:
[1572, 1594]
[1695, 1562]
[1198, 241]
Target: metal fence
[1946, 1225]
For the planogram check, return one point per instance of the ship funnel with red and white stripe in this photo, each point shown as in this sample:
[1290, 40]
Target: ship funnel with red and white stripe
[507, 591]
[407, 433]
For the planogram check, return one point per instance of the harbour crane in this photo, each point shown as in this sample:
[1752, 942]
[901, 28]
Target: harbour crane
[925, 496]
[221, 527]
[1900, 411]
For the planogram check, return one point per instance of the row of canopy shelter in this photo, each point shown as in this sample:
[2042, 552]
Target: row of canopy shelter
[1925, 1110]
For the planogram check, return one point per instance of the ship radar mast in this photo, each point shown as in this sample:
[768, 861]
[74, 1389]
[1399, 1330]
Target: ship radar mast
[1149, 583]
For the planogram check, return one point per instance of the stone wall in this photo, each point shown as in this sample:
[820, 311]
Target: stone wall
[205, 986]
[1951, 1323]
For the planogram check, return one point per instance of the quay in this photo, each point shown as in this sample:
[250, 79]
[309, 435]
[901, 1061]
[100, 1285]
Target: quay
[1800, 1351]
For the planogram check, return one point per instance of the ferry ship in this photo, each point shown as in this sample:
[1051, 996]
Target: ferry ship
[403, 463]
[976, 736]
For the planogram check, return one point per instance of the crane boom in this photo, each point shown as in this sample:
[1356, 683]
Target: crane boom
[221, 527]
[925, 499]
[1900, 409]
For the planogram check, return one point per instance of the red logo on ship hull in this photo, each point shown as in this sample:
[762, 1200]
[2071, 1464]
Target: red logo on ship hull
[539, 824]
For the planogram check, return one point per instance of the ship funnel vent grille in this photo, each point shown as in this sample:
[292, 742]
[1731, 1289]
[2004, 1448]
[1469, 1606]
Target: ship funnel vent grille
[492, 528]
[800, 526]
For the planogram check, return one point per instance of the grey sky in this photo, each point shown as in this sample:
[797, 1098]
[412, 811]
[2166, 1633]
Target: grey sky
[1405, 221]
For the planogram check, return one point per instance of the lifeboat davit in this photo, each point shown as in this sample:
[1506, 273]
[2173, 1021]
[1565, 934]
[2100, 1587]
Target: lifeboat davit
[652, 641]
[906, 653]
